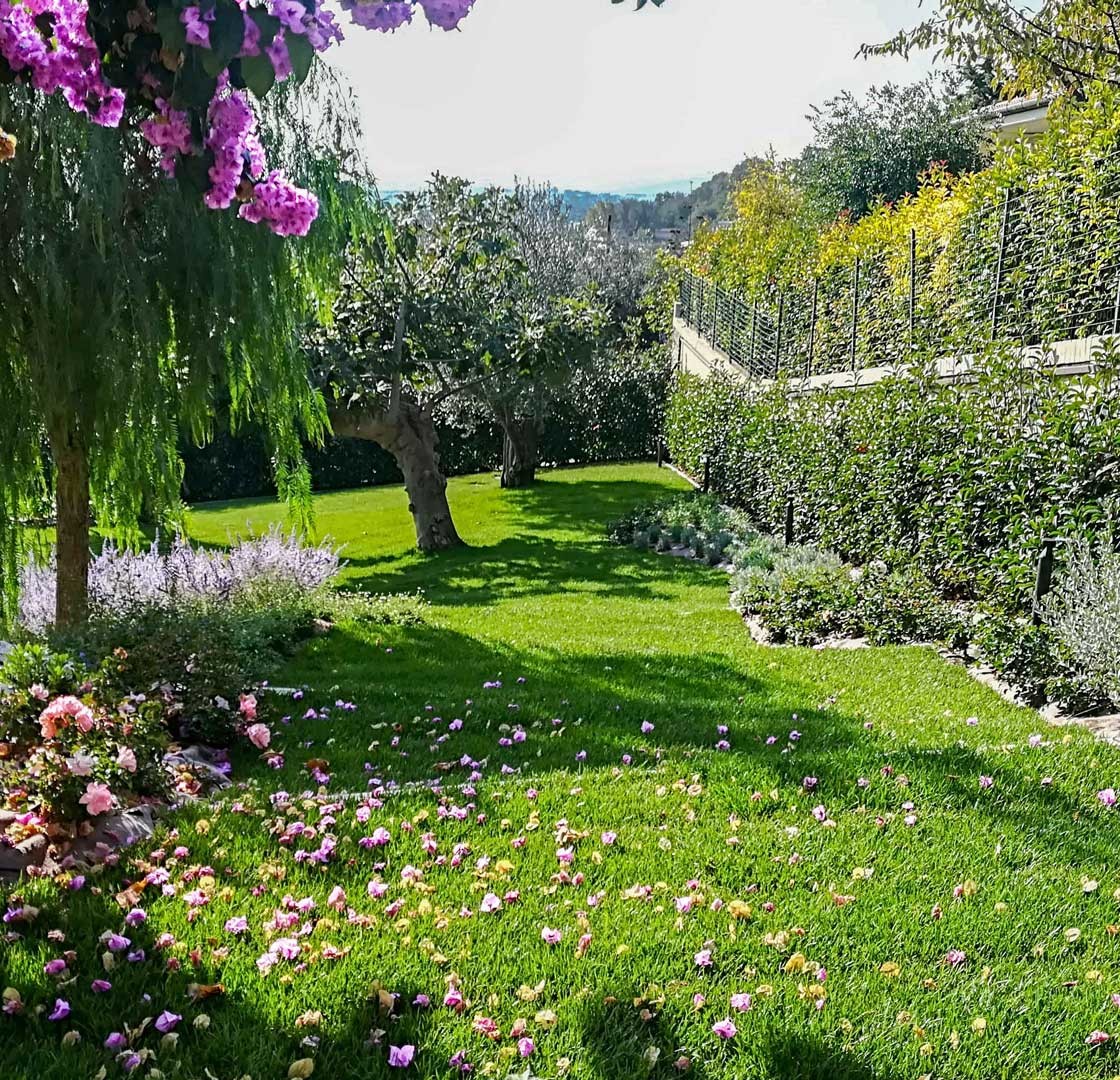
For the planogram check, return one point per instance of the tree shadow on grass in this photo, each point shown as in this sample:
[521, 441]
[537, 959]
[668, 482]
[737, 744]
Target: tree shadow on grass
[601, 699]
[555, 502]
[527, 567]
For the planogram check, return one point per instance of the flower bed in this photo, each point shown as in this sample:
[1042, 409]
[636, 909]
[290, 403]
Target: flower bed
[795, 594]
[96, 725]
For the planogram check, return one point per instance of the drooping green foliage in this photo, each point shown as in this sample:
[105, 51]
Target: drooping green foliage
[127, 306]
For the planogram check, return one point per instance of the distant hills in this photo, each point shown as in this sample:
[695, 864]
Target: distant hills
[649, 208]
[630, 214]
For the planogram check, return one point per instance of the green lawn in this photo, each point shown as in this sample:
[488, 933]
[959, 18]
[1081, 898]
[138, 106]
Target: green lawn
[716, 850]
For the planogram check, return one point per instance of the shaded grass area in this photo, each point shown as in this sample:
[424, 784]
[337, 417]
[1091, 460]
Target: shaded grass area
[589, 643]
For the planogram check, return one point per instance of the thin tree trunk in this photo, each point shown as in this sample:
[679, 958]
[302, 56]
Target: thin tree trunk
[408, 433]
[520, 442]
[72, 501]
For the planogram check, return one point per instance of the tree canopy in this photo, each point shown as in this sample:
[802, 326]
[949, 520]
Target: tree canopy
[1054, 46]
[874, 150]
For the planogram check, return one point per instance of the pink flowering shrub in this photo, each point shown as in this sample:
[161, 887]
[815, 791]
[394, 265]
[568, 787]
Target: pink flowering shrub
[188, 78]
[75, 745]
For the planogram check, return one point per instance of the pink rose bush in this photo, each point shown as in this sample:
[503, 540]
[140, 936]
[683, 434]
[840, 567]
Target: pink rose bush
[75, 743]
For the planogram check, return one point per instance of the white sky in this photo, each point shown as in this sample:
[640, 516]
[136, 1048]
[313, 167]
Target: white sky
[606, 99]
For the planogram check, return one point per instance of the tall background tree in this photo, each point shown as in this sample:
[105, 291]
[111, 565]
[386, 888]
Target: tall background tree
[871, 150]
[127, 307]
[425, 311]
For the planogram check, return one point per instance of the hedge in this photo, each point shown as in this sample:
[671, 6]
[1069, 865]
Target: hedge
[613, 412]
[962, 479]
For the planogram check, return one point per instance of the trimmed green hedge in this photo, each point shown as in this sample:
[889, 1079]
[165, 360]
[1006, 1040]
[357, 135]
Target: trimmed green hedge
[962, 480]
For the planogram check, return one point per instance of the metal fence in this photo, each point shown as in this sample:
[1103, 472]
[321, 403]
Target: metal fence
[1028, 267]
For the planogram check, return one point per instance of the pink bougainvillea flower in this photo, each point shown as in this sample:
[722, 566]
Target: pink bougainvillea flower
[725, 1029]
[259, 735]
[400, 1057]
[97, 799]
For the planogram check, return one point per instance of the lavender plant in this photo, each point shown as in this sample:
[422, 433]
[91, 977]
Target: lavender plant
[273, 568]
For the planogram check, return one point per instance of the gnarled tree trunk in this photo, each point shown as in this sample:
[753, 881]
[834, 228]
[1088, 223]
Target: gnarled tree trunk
[71, 500]
[520, 444]
[406, 430]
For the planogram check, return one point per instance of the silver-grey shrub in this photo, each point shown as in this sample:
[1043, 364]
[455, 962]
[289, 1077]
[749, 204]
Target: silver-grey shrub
[273, 567]
[1084, 612]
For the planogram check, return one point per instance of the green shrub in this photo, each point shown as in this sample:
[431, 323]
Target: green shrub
[902, 606]
[1084, 612]
[1034, 661]
[805, 597]
[962, 481]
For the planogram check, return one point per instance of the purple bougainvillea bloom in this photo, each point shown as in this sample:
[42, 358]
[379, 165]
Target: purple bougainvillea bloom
[166, 1021]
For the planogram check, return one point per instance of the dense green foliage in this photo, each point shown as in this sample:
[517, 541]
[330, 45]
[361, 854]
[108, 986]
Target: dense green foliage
[873, 150]
[964, 480]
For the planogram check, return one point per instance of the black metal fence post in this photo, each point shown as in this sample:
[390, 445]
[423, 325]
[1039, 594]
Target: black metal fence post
[855, 314]
[778, 339]
[1044, 577]
[913, 282]
[999, 260]
[812, 329]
